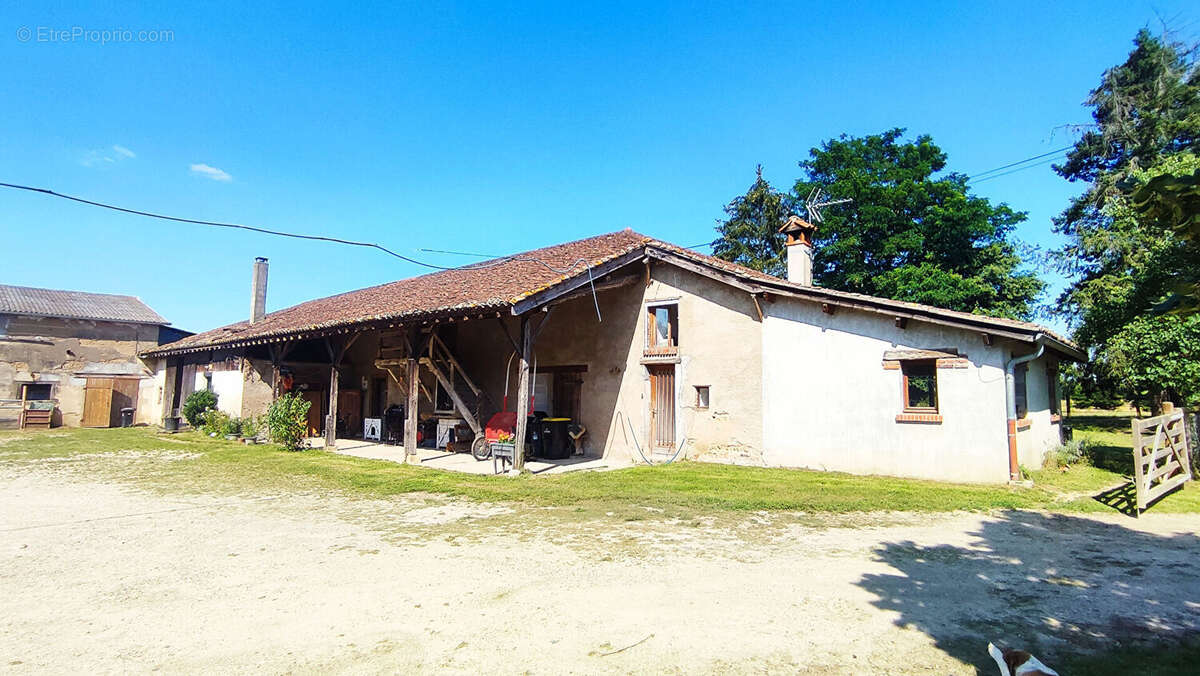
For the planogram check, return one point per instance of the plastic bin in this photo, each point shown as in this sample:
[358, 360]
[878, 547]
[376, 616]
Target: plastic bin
[127, 417]
[556, 438]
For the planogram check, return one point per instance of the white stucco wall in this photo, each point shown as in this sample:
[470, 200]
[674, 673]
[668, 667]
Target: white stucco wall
[1043, 432]
[829, 404]
[227, 385]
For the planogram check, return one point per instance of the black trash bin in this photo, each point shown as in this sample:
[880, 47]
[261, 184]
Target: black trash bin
[534, 441]
[127, 417]
[556, 438]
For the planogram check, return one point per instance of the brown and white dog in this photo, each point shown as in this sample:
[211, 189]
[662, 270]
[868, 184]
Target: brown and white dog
[1018, 663]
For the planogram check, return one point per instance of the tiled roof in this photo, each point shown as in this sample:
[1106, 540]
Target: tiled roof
[490, 285]
[25, 300]
[499, 284]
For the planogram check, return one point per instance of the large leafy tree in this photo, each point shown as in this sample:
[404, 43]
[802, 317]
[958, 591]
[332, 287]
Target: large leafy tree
[912, 232]
[1127, 252]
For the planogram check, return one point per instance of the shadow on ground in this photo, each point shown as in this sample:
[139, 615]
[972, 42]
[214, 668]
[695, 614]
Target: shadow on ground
[1056, 585]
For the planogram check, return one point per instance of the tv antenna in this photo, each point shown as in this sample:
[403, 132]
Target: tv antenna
[816, 201]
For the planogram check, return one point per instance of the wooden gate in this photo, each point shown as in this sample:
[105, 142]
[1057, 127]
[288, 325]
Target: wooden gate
[1160, 456]
[97, 403]
[662, 407]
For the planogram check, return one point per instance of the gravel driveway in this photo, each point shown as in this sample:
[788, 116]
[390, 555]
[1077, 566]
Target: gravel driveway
[100, 577]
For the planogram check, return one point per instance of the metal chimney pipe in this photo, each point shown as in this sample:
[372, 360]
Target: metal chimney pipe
[258, 290]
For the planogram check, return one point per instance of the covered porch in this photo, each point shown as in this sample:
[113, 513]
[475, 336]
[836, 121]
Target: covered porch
[423, 391]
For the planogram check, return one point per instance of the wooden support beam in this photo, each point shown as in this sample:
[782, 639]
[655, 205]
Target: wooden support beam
[467, 414]
[522, 404]
[987, 339]
[331, 420]
[410, 413]
[757, 306]
[515, 345]
[828, 308]
[902, 322]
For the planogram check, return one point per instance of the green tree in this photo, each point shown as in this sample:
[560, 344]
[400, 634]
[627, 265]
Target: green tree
[1147, 117]
[749, 235]
[1157, 358]
[907, 235]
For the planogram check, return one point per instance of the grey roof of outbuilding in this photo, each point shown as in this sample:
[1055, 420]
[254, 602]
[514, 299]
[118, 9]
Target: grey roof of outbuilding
[26, 300]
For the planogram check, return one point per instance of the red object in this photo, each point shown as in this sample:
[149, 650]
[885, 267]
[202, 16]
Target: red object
[504, 422]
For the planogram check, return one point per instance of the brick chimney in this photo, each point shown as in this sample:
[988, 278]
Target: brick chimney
[799, 249]
[258, 290]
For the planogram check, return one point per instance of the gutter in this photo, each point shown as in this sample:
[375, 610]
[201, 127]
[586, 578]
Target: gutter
[1010, 397]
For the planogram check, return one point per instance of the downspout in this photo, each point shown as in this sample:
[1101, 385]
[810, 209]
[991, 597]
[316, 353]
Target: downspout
[1010, 395]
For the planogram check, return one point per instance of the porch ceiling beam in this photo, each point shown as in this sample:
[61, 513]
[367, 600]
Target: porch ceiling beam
[567, 286]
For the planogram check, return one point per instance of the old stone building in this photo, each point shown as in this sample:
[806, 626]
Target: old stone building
[75, 354]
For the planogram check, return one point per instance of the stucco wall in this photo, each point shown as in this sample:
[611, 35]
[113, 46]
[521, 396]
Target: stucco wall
[1043, 433]
[830, 404]
[55, 351]
[720, 346]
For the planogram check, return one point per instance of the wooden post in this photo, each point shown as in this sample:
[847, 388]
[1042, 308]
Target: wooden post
[522, 403]
[410, 411]
[331, 421]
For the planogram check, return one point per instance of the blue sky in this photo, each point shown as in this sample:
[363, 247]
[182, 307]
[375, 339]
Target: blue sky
[489, 128]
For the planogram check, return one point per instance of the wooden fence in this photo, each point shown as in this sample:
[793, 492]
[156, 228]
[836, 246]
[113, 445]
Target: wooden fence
[1161, 461]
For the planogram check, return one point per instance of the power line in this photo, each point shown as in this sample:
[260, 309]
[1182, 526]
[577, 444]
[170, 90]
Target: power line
[982, 174]
[1013, 171]
[320, 238]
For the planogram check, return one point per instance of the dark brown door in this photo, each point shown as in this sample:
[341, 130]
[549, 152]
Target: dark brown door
[97, 403]
[378, 397]
[350, 411]
[662, 407]
[315, 418]
[124, 395]
[568, 391]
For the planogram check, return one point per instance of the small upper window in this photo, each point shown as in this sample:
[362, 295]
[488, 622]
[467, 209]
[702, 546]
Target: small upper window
[1021, 397]
[662, 323]
[920, 386]
[702, 396]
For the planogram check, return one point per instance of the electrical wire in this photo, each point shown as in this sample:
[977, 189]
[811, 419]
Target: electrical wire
[320, 238]
[1013, 171]
[982, 174]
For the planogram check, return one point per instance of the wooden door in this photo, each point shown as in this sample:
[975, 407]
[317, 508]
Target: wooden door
[349, 411]
[662, 407]
[568, 391]
[124, 395]
[97, 403]
[316, 417]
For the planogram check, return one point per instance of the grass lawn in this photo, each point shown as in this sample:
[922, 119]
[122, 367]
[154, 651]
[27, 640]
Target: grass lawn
[1110, 471]
[681, 488]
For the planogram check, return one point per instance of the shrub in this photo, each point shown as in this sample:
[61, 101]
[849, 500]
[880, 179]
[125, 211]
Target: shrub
[250, 427]
[196, 404]
[218, 423]
[1074, 452]
[286, 420]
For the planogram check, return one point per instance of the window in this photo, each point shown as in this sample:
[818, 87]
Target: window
[702, 396]
[662, 329]
[1052, 387]
[38, 392]
[920, 386]
[1021, 398]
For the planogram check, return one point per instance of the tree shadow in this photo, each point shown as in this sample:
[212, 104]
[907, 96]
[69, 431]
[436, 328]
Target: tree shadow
[1052, 584]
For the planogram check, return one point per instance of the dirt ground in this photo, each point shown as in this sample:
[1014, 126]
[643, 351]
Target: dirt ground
[98, 576]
